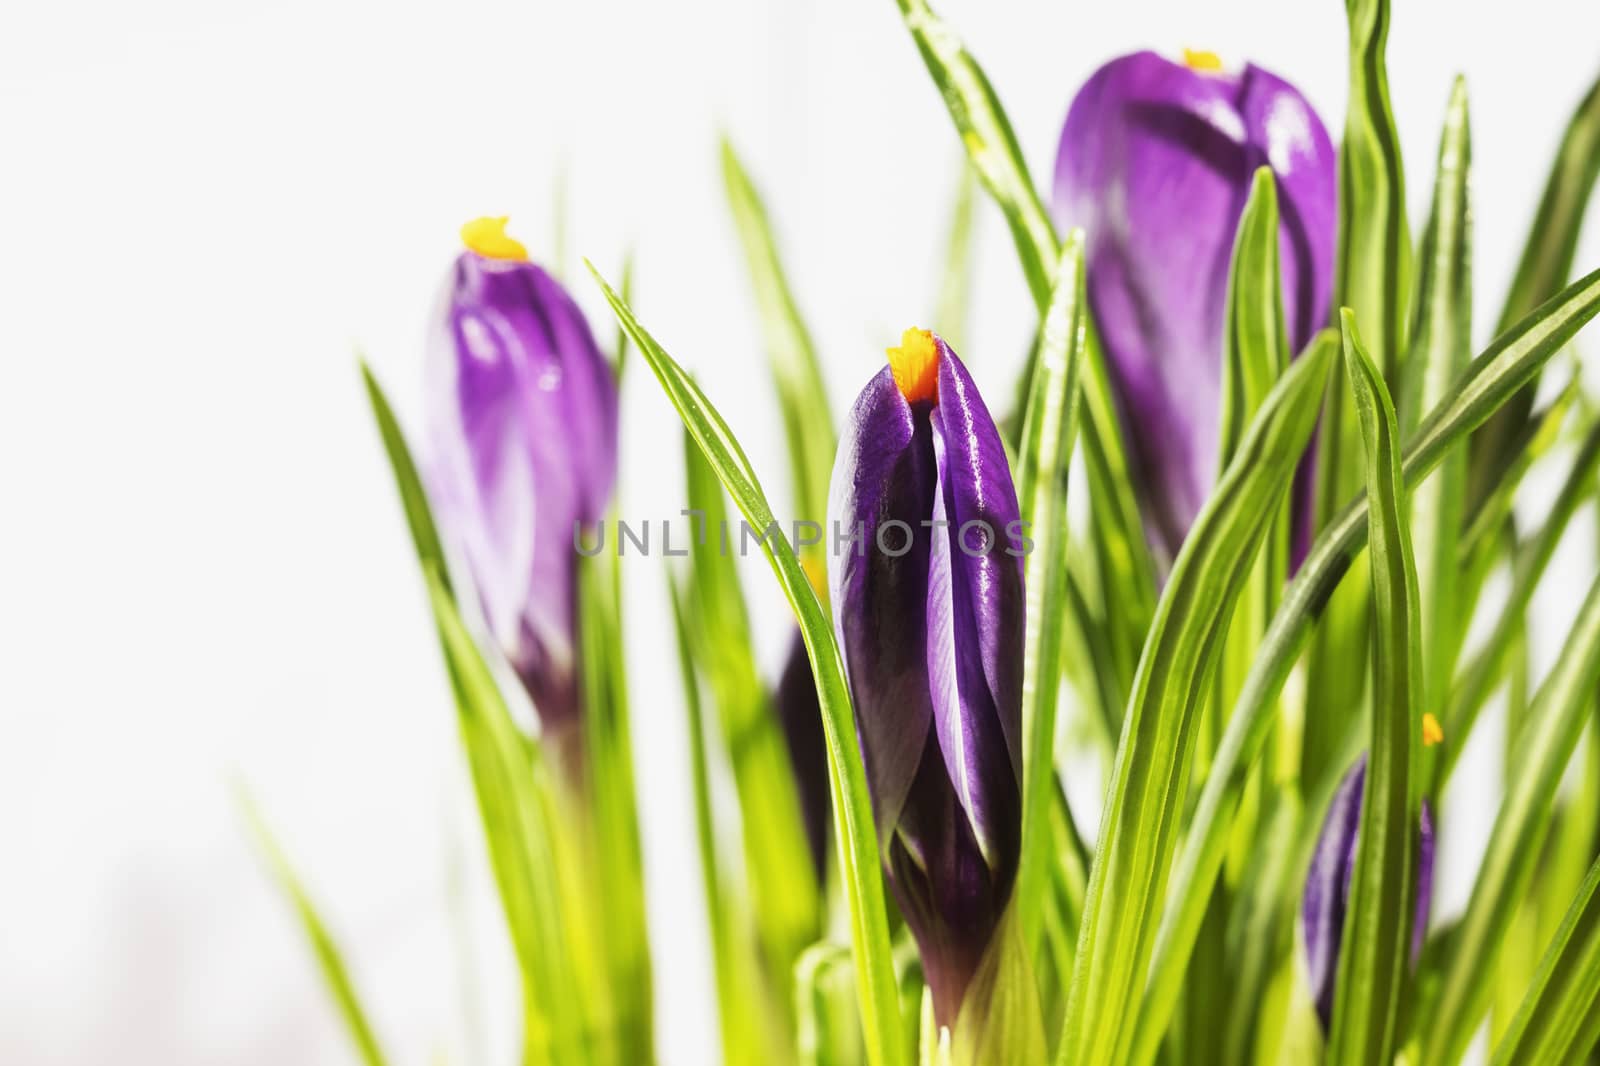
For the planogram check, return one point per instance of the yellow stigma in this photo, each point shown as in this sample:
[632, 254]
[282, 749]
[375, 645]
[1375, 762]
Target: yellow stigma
[1209, 62]
[487, 237]
[1432, 733]
[915, 365]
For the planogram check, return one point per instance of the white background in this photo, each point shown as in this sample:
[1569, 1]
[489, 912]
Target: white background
[206, 208]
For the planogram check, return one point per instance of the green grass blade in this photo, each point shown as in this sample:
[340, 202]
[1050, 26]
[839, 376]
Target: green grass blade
[619, 348]
[1377, 927]
[1560, 1018]
[512, 787]
[1255, 346]
[612, 808]
[1127, 571]
[1372, 276]
[825, 1003]
[802, 396]
[330, 960]
[785, 896]
[950, 312]
[1477, 680]
[1149, 777]
[419, 517]
[1546, 263]
[738, 1011]
[1509, 362]
[852, 810]
[1043, 462]
[1441, 346]
[1555, 721]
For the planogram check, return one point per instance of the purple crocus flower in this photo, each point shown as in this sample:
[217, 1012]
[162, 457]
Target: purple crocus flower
[928, 603]
[1155, 164]
[522, 424]
[1327, 894]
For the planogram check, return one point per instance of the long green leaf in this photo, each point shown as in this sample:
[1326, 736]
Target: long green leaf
[330, 960]
[1127, 572]
[950, 312]
[1560, 1018]
[1477, 681]
[511, 782]
[738, 1006]
[1149, 777]
[1556, 720]
[1377, 927]
[1546, 263]
[1495, 375]
[1441, 346]
[419, 518]
[802, 397]
[786, 898]
[1043, 462]
[852, 810]
[1372, 277]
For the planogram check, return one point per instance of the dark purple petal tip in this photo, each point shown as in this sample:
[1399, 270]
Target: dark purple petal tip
[928, 602]
[1327, 892]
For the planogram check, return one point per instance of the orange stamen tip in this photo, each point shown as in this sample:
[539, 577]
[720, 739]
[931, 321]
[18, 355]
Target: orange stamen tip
[1209, 62]
[915, 365]
[1432, 732]
[487, 237]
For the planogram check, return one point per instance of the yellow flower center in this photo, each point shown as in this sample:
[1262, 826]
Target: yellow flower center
[487, 237]
[1432, 732]
[915, 365]
[1209, 62]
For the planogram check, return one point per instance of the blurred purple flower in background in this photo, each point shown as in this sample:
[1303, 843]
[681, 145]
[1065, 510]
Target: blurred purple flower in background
[1155, 164]
[1327, 894]
[522, 435]
[930, 622]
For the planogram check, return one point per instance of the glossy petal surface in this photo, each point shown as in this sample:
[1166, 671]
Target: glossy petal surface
[1155, 163]
[523, 433]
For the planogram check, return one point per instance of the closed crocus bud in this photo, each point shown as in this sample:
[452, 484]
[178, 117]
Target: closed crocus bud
[522, 428]
[1155, 164]
[1327, 894]
[928, 604]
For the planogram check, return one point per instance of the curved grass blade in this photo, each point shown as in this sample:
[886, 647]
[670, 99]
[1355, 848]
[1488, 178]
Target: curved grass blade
[955, 284]
[1043, 461]
[1441, 346]
[1120, 548]
[1555, 721]
[738, 1012]
[852, 811]
[511, 782]
[330, 960]
[1546, 264]
[419, 516]
[1377, 927]
[785, 896]
[1373, 277]
[802, 396]
[1477, 681]
[1488, 381]
[825, 1003]
[1149, 777]
[1560, 1018]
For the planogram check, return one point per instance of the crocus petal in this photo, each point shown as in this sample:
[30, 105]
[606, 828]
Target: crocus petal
[1327, 891]
[522, 428]
[975, 614]
[884, 472]
[1155, 163]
